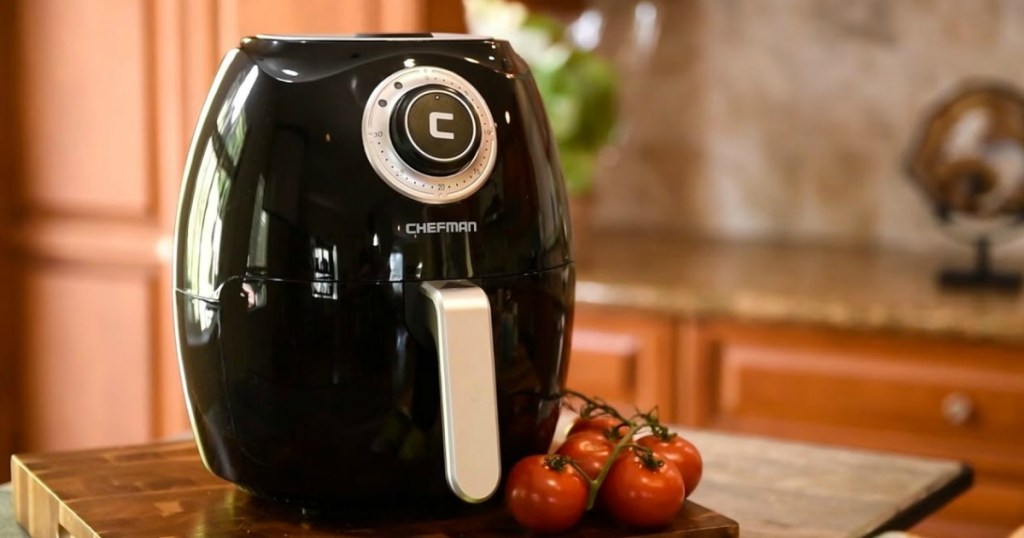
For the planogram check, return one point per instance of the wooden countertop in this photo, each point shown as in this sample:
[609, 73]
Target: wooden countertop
[771, 488]
[841, 287]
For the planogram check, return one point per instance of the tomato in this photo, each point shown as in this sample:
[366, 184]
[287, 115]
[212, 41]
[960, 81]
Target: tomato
[680, 452]
[642, 490]
[545, 493]
[600, 423]
[590, 449]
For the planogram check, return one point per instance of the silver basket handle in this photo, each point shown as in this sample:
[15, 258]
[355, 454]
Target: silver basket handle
[460, 323]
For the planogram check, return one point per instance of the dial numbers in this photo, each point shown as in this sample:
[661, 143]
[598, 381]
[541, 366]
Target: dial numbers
[385, 159]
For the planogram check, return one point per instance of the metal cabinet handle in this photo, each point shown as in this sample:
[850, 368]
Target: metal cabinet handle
[957, 408]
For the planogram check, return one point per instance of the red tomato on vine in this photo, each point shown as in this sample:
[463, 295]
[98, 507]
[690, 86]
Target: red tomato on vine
[680, 452]
[600, 424]
[545, 493]
[590, 450]
[642, 489]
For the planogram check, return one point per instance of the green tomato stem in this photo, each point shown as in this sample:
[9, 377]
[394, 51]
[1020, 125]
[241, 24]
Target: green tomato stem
[595, 484]
[595, 403]
[636, 423]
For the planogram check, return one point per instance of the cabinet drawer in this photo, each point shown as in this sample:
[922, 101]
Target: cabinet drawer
[929, 398]
[962, 404]
[604, 364]
[623, 357]
[926, 396]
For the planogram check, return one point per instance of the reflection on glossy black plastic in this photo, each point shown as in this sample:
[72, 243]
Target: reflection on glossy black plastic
[307, 375]
[308, 397]
[285, 160]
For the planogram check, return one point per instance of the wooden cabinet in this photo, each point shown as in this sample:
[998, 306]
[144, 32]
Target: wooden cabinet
[7, 286]
[237, 18]
[923, 395]
[95, 117]
[625, 358]
[928, 396]
[942, 397]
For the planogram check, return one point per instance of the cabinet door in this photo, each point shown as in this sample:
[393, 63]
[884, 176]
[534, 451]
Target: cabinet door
[99, 137]
[7, 301]
[624, 357]
[239, 18]
[931, 397]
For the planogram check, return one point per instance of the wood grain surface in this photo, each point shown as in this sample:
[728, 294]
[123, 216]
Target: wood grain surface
[164, 490]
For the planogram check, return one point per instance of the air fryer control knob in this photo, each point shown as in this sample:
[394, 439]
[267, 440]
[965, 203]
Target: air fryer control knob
[429, 134]
[434, 130]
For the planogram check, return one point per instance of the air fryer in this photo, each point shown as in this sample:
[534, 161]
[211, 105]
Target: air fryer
[373, 285]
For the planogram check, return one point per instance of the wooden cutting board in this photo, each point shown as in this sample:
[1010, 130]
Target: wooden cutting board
[162, 490]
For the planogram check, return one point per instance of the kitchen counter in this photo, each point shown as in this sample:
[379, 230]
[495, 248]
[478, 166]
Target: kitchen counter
[8, 528]
[771, 488]
[847, 288]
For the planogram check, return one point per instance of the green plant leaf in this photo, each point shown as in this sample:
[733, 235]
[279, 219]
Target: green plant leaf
[579, 89]
[578, 169]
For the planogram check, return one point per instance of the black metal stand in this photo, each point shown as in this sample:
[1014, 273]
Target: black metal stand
[982, 275]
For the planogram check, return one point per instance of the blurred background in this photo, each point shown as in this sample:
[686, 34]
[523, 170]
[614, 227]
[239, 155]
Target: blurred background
[758, 237]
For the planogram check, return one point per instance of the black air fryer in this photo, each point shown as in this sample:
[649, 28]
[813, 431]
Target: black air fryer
[372, 276]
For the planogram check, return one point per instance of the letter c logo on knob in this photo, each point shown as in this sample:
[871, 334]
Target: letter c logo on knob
[438, 133]
[429, 134]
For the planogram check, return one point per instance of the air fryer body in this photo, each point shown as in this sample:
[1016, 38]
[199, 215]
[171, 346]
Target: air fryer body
[298, 271]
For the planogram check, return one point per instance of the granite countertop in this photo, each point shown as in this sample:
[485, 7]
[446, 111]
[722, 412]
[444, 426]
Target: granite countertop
[8, 528]
[848, 288]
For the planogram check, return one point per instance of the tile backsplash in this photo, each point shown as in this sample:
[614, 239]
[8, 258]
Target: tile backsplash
[788, 120]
